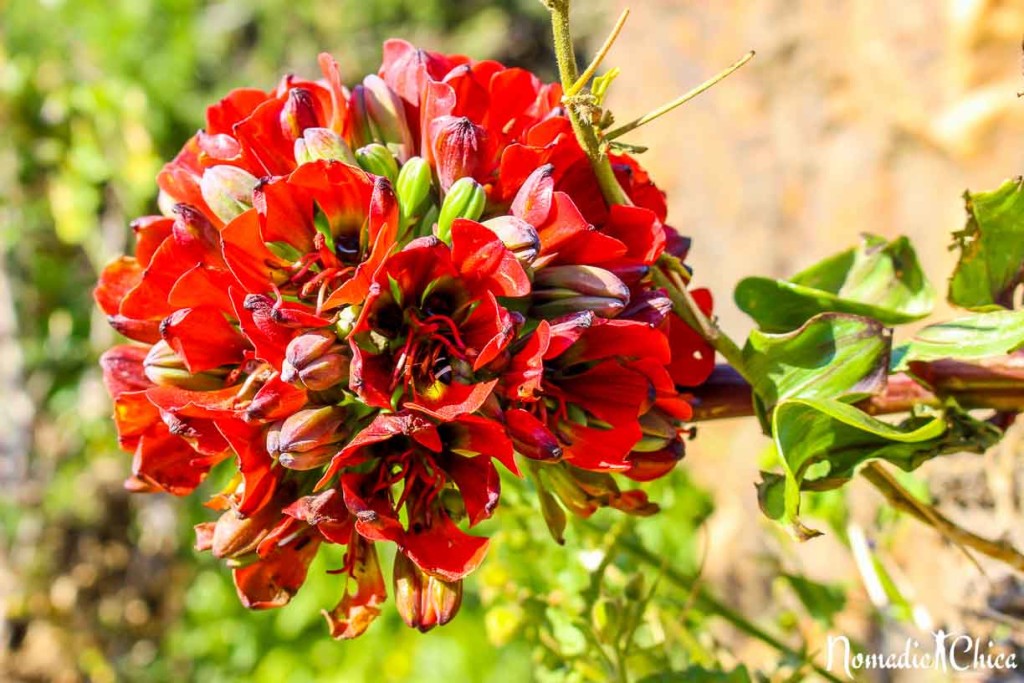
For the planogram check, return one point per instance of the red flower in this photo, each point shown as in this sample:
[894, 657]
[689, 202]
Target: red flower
[362, 351]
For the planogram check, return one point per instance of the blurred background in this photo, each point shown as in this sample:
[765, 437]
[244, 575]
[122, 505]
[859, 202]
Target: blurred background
[854, 117]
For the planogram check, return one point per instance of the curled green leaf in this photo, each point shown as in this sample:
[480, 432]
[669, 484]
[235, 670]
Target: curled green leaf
[877, 279]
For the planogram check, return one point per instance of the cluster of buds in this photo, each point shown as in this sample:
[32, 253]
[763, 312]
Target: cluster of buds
[366, 300]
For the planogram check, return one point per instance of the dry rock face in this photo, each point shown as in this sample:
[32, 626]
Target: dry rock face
[855, 116]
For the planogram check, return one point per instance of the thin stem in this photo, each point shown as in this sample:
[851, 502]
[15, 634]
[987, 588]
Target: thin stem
[713, 605]
[901, 499]
[687, 309]
[682, 99]
[565, 55]
[589, 72]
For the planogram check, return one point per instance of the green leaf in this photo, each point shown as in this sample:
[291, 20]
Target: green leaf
[821, 601]
[833, 355]
[812, 431]
[971, 337]
[991, 248]
[876, 279]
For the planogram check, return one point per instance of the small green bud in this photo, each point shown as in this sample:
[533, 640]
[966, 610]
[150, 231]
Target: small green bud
[413, 188]
[465, 199]
[378, 160]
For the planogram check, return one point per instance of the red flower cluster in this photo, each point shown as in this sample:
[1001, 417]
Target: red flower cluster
[364, 297]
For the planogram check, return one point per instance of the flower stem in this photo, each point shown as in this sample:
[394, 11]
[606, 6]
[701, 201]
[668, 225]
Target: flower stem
[595, 63]
[565, 54]
[682, 99]
[687, 309]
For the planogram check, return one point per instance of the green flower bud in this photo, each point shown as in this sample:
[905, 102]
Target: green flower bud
[376, 159]
[413, 188]
[378, 115]
[465, 199]
[228, 190]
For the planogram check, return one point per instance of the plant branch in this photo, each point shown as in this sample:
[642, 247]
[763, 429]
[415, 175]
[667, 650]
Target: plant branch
[687, 309]
[589, 72]
[901, 499]
[682, 99]
[565, 54]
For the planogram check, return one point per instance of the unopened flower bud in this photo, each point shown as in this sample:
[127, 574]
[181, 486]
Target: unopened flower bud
[308, 438]
[316, 360]
[413, 188]
[461, 149]
[235, 536]
[322, 144]
[517, 235]
[378, 115]
[569, 289]
[163, 367]
[228, 190]
[465, 199]
[568, 489]
[657, 432]
[300, 112]
[376, 159]
[424, 601]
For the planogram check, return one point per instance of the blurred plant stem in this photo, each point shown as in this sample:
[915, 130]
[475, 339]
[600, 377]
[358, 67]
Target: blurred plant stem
[903, 500]
[705, 600]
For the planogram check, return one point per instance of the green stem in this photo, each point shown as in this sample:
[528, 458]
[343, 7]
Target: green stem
[682, 99]
[565, 54]
[687, 309]
[713, 605]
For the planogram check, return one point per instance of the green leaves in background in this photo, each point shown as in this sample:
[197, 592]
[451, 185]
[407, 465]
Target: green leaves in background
[991, 248]
[878, 279]
[972, 337]
[833, 355]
